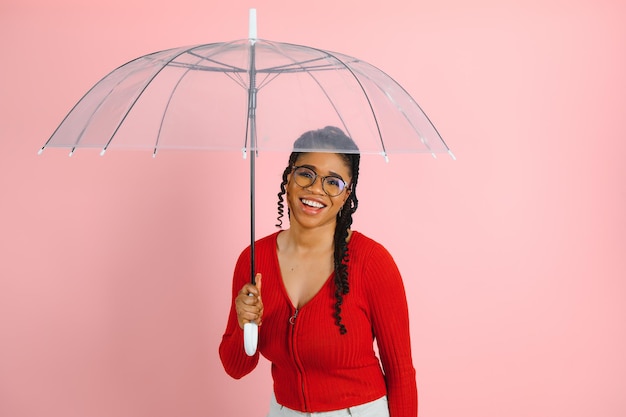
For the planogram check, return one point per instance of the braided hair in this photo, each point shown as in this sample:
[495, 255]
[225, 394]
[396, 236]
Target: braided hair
[326, 140]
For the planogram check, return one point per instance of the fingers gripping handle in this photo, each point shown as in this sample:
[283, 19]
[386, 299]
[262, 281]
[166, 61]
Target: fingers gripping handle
[251, 329]
[250, 338]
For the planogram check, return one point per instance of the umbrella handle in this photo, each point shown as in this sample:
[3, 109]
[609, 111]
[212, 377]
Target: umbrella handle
[250, 338]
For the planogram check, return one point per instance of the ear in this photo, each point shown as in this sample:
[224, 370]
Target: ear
[346, 195]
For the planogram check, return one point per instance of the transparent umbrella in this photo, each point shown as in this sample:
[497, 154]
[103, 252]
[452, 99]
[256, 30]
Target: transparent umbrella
[251, 96]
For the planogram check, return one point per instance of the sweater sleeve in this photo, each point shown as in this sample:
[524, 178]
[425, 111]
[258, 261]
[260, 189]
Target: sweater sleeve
[236, 362]
[390, 320]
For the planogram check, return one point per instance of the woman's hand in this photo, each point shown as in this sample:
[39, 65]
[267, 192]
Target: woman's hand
[249, 304]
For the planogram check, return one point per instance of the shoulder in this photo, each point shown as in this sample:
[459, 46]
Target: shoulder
[368, 253]
[263, 244]
[360, 243]
[268, 241]
[372, 264]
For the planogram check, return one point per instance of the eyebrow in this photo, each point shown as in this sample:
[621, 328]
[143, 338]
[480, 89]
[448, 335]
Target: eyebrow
[330, 173]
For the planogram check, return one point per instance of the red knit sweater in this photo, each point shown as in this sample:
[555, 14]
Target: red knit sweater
[314, 367]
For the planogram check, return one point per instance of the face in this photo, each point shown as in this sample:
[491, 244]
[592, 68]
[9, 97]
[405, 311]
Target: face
[311, 206]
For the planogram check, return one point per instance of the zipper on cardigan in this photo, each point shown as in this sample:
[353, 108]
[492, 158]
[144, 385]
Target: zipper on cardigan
[292, 319]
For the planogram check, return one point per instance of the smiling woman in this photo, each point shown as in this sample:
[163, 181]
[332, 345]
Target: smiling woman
[328, 293]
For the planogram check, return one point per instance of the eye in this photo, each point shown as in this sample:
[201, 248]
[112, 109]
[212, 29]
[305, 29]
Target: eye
[305, 173]
[334, 181]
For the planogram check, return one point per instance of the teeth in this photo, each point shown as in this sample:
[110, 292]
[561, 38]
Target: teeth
[312, 203]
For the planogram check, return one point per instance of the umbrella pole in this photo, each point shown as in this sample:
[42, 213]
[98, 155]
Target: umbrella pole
[252, 92]
[252, 208]
[251, 330]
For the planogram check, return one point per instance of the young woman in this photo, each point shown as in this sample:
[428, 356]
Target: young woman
[324, 294]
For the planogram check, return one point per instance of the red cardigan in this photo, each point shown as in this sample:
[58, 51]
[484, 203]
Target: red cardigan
[314, 367]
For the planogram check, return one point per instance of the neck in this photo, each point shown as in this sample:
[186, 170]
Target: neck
[319, 239]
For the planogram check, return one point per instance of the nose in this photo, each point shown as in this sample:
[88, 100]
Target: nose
[317, 185]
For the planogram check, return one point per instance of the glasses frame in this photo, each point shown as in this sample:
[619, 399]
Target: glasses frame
[322, 178]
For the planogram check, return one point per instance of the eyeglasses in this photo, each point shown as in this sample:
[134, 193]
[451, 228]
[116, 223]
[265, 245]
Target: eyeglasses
[306, 177]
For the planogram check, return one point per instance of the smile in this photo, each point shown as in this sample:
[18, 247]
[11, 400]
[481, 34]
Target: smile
[312, 203]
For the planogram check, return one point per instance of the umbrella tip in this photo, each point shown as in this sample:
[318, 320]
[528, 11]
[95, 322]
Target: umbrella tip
[252, 31]
[71, 152]
[244, 153]
[103, 151]
[40, 151]
[451, 155]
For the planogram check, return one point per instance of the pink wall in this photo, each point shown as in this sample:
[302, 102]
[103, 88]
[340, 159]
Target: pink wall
[114, 271]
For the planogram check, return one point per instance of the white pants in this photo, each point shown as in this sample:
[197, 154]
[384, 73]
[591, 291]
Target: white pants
[377, 408]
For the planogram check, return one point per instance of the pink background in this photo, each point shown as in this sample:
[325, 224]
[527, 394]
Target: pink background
[115, 271]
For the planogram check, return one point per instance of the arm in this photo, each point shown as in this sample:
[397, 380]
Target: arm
[235, 361]
[390, 321]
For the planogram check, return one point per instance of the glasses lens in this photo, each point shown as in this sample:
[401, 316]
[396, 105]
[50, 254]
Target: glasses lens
[333, 186]
[304, 177]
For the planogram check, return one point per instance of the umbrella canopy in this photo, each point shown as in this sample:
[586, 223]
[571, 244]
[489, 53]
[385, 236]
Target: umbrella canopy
[204, 97]
[250, 95]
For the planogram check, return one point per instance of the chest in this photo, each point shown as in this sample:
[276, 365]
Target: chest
[304, 277]
[309, 334]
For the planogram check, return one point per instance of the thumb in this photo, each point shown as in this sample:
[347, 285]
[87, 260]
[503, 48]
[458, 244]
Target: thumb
[257, 279]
